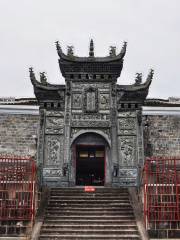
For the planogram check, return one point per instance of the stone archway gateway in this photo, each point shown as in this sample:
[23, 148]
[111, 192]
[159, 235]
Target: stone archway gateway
[90, 105]
[91, 155]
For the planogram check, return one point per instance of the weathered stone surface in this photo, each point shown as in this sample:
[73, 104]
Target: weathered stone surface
[18, 134]
[162, 135]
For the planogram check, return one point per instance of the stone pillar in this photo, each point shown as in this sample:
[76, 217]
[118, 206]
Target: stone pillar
[67, 130]
[114, 146]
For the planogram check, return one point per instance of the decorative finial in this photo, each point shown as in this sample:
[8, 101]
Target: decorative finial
[91, 49]
[70, 50]
[32, 75]
[43, 78]
[112, 51]
[31, 70]
[151, 73]
[58, 48]
[138, 79]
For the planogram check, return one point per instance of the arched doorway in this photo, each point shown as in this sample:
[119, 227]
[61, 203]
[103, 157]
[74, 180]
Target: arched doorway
[90, 154]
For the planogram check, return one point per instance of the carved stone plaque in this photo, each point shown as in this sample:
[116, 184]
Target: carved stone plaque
[53, 150]
[90, 100]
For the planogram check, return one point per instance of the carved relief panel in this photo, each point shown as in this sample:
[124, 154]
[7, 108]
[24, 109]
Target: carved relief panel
[53, 150]
[127, 126]
[77, 100]
[54, 125]
[104, 101]
[127, 150]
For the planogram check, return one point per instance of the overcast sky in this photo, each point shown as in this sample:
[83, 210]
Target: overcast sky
[29, 28]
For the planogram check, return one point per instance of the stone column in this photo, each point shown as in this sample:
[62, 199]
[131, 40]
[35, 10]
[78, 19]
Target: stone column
[114, 145]
[67, 130]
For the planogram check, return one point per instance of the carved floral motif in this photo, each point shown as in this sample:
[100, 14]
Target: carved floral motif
[127, 123]
[127, 150]
[53, 149]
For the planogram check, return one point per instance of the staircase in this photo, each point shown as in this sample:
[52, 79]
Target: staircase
[74, 214]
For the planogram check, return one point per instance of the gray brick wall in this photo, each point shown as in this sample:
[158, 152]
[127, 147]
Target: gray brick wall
[162, 135]
[18, 134]
[18, 131]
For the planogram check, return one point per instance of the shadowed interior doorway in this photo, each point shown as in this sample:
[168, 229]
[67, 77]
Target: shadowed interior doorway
[90, 165]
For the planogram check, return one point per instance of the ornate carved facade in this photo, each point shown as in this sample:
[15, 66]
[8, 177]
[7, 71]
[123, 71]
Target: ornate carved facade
[91, 102]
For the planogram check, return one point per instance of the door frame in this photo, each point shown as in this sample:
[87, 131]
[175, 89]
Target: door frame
[89, 145]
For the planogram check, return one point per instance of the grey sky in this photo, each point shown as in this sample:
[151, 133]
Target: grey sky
[29, 28]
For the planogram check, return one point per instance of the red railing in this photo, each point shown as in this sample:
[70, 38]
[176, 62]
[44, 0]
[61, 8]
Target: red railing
[17, 188]
[161, 192]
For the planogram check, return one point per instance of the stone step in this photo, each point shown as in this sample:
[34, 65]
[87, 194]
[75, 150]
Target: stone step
[75, 214]
[88, 213]
[83, 231]
[87, 204]
[90, 237]
[60, 198]
[90, 221]
[84, 208]
[97, 189]
[95, 217]
[89, 226]
[90, 200]
[89, 194]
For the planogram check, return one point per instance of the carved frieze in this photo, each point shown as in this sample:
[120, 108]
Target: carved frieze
[53, 149]
[55, 113]
[54, 125]
[127, 150]
[76, 100]
[80, 86]
[127, 114]
[52, 172]
[94, 116]
[127, 132]
[89, 124]
[104, 101]
[54, 131]
[76, 130]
